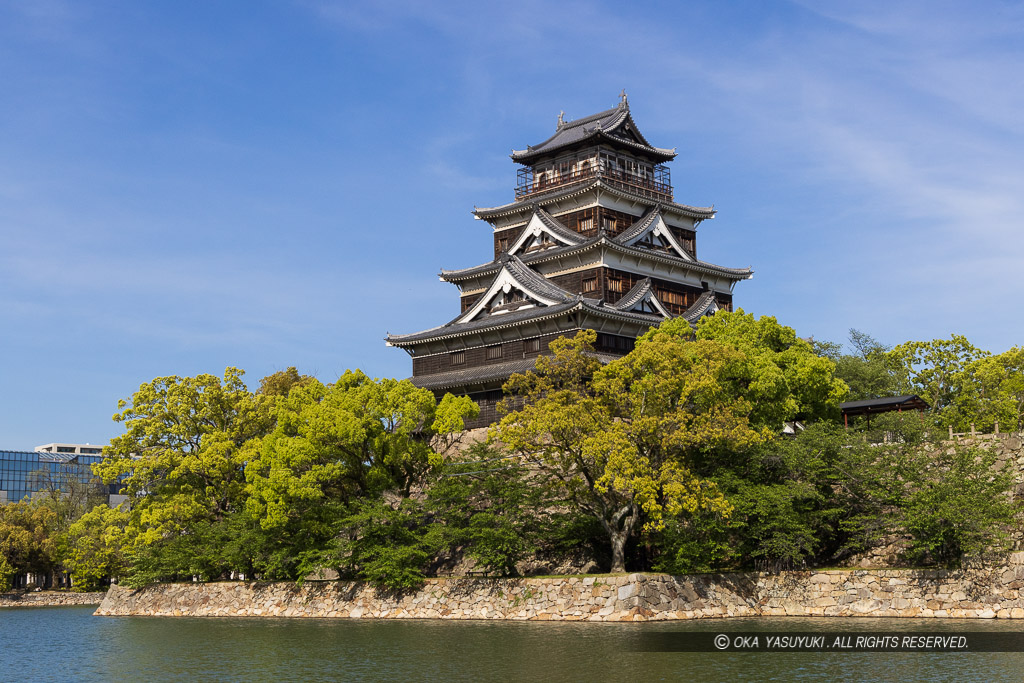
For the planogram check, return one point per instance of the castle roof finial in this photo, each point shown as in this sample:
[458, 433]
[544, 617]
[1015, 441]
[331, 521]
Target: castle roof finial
[624, 103]
[561, 118]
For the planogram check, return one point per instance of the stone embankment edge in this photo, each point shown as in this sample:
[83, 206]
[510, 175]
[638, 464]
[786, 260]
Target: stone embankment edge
[983, 594]
[51, 599]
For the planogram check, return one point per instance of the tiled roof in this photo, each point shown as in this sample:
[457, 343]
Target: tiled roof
[634, 295]
[600, 240]
[603, 124]
[557, 228]
[484, 373]
[573, 189]
[477, 375]
[534, 257]
[890, 402]
[455, 329]
[523, 316]
[532, 281]
[638, 227]
[699, 307]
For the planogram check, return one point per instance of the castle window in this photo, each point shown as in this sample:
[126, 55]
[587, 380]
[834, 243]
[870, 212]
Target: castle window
[458, 358]
[531, 346]
[668, 297]
[615, 285]
[494, 352]
[502, 244]
[590, 285]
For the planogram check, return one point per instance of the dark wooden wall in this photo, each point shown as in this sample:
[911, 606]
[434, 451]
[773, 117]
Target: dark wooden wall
[477, 356]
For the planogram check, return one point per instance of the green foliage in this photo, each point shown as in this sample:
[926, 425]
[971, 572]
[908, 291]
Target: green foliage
[334, 453]
[992, 391]
[282, 382]
[669, 457]
[386, 546]
[939, 372]
[616, 446]
[781, 375]
[26, 540]
[181, 456]
[700, 544]
[92, 549]
[487, 504]
[957, 507]
[870, 371]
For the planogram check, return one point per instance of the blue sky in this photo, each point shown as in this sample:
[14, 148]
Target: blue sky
[187, 186]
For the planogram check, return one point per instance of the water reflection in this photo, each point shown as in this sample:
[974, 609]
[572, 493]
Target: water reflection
[71, 644]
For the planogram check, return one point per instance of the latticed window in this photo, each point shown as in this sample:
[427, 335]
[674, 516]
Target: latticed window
[494, 352]
[531, 346]
[672, 298]
[458, 357]
[614, 285]
[590, 285]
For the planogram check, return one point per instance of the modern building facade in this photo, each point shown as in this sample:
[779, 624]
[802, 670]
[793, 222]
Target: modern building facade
[594, 240]
[70, 448]
[25, 475]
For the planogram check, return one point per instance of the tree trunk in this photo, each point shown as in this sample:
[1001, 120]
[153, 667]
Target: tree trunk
[620, 529]
[618, 540]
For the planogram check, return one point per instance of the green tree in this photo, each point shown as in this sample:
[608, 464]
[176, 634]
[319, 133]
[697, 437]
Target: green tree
[615, 442]
[780, 375]
[92, 548]
[994, 388]
[27, 540]
[957, 506]
[487, 505]
[335, 453]
[869, 371]
[939, 372]
[182, 464]
[283, 381]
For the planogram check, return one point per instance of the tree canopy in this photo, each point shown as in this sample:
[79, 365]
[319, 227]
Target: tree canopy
[669, 458]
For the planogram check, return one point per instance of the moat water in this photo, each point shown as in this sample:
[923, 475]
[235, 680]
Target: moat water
[69, 644]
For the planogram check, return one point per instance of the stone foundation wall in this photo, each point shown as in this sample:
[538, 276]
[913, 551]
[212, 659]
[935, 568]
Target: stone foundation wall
[981, 594]
[50, 599]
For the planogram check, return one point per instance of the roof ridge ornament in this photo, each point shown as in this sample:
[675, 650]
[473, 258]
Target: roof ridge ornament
[623, 102]
[561, 120]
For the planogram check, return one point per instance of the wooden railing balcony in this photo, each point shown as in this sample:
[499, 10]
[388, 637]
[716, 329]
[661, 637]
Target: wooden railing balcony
[631, 182]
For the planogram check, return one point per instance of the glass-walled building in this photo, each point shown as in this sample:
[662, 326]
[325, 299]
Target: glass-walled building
[25, 475]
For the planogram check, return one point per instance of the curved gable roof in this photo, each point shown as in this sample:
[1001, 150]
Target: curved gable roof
[615, 125]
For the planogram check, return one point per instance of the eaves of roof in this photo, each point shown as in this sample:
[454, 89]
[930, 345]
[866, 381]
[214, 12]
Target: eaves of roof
[699, 307]
[600, 240]
[483, 374]
[576, 189]
[603, 124]
[496, 322]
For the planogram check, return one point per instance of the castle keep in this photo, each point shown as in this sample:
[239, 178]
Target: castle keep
[594, 240]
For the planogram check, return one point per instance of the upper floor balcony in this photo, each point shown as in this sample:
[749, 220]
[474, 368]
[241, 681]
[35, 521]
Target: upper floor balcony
[656, 185]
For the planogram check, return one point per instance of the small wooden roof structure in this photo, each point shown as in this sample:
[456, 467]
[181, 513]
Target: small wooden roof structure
[886, 404]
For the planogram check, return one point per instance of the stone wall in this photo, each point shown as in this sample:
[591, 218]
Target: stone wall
[985, 594]
[49, 599]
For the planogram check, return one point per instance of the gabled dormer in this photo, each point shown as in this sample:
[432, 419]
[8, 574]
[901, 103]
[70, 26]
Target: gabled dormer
[706, 304]
[515, 287]
[651, 232]
[642, 299]
[543, 232]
